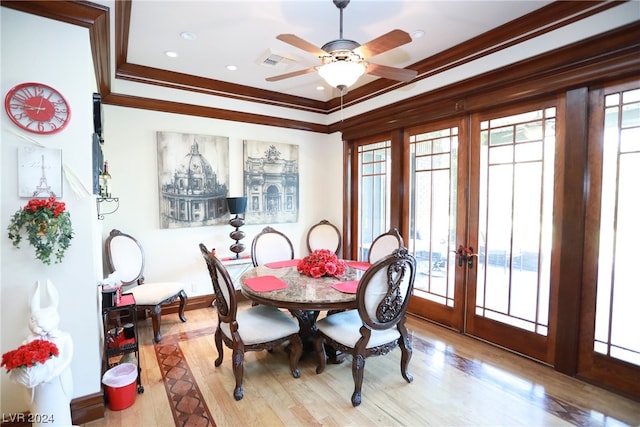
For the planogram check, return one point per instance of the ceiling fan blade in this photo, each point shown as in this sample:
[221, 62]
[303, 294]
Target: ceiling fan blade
[296, 41]
[292, 74]
[391, 73]
[383, 43]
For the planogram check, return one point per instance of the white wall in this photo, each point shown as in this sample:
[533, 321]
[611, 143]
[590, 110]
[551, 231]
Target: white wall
[172, 254]
[41, 50]
[58, 54]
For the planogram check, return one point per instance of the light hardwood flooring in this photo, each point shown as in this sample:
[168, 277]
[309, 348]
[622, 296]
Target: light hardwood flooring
[458, 381]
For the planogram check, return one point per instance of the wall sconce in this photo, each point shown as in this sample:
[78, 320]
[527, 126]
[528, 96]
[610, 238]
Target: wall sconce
[237, 206]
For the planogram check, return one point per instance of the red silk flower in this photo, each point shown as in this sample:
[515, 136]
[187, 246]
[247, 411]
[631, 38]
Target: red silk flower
[27, 355]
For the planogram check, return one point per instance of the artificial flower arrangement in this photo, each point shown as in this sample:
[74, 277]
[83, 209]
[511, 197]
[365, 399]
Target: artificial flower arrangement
[48, 228]
[29, 354]
[321, 262]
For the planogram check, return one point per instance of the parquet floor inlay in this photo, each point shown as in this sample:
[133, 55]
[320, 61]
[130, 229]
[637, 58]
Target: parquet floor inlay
[187, 403]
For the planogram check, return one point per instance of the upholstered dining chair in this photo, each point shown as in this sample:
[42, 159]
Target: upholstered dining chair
[125, 256]
[260, 327]
[378, 325]
[384, 244]
[324, 235]
[270, 245]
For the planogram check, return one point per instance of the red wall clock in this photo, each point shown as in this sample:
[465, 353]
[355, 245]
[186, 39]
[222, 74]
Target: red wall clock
[37, 108]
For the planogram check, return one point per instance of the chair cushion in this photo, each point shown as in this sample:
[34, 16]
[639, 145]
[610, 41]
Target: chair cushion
[155, 293]
[262, 323]
[344, 327]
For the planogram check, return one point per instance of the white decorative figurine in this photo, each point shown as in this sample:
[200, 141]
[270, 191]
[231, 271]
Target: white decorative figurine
[51, 383]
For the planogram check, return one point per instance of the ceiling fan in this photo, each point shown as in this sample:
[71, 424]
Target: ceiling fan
[344, 61]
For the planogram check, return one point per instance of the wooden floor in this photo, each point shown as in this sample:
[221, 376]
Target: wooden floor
[458, 381]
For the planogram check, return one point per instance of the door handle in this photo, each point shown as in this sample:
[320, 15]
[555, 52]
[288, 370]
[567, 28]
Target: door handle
[465, 255]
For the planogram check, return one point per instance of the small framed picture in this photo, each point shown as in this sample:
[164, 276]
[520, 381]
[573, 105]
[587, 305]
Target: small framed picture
[39, 172]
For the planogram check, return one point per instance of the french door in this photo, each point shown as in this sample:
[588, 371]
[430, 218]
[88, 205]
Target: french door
[488, 187]
[510, 224]
[437, 176]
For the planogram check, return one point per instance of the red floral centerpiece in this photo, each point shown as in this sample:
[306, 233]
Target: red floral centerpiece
[29, 354]
[48, 228]
[321, 262]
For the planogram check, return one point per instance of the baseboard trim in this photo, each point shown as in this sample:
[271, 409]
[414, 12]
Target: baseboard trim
[193, 303]
[87, 408]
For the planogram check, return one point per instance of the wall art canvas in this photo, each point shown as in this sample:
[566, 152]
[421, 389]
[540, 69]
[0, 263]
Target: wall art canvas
[193, 173]
[271, 182]
[39, 172]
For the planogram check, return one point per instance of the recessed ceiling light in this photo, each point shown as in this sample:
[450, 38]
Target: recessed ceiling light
[320, 87]
[188, 35]
[232, 67]
[171, 54]
[417, 34]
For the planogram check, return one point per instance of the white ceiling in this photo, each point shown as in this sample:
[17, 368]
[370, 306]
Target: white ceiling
[243, 33]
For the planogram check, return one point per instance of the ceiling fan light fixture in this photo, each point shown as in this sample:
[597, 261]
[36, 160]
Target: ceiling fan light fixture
[344, 61]
[342, 74]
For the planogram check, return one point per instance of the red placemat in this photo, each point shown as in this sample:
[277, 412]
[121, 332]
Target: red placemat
[265, 283]
[126, 299]
[283, 264]
[358, 265]
[350, 287]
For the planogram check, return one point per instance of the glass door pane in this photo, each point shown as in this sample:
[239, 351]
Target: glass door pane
[374, 181]
[516, 183]
[432, 216]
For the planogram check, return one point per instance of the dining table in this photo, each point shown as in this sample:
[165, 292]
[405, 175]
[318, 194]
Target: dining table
[280, 284]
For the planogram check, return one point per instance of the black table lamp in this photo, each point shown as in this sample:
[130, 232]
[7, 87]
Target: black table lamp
[237, 206]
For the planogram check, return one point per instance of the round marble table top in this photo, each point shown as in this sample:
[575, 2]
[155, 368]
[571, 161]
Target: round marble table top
[302, 292]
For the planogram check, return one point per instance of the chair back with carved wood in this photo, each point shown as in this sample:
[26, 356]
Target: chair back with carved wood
[378, 325]
[259, 327]
[225, 296]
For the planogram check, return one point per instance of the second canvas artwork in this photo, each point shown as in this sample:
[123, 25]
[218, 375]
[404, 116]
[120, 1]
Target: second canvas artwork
[271, 182]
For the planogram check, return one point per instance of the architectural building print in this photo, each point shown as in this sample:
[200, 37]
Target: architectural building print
[194, 173]
[271, 182]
